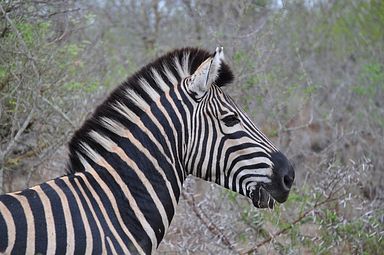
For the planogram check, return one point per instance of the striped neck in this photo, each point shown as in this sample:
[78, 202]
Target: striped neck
[138, 140]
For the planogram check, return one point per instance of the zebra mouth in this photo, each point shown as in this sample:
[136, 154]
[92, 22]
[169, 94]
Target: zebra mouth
[261, 198]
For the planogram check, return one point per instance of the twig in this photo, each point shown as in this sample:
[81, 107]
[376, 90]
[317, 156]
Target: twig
[35, 70]
[307, 77]
[22, 42]
[47, 153]
[57, 109]
[63, 12]
[306, 125]
[209, 224]
[16, 137]
[328, 199]
[30, 114]
[256, 29]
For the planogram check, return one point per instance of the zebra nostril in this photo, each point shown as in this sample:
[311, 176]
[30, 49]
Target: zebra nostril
[287, 182]
[283, 170]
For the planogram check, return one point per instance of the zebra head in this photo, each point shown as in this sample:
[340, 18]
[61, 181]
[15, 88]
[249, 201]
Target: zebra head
[225, 146]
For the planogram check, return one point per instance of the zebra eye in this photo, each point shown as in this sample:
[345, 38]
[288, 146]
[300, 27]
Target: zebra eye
[231, 120]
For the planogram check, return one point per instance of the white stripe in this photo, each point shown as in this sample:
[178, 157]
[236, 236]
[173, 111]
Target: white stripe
[112, 199]
[179, 68]
[30, 245]
[11, 227]
[68, 218]
[159, 81]
[109, 145]
[119, 130]
[113, 250]
[88, 233]
[258, 179]
[185, 61]
[162, 83]
[171, 77]
[103, 211]
[132, 202]
[51, 231]
[94, 216]
[253, 181]
[136, 98]
[127, 113]
[149, 90]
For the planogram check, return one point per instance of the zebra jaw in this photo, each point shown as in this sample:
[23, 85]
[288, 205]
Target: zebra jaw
[261, 198]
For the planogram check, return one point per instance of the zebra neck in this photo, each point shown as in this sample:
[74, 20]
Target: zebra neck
[143, 162]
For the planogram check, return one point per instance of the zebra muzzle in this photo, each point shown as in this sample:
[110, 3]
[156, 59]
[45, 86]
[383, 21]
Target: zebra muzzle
[261, 198]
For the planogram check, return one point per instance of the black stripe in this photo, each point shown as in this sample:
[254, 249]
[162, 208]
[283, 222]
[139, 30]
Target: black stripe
[138, 190]
[166, 126]
[97, 249]
[213, 119]
[154, 177]
[197, 56]
[126, 212]
[197, 124]
[246, 157]
[204, 147]
[145, 165]
[247, 167]
[20, 221]
[111, 214]
[178, 125]
[3, 232]
[235, 148]
[39, 218]
[96, 209]
[139, 157]
[58, 216]
[108, 247]
[78, 224]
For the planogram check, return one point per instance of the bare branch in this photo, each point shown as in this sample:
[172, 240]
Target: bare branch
[16, 137]
[57, 109]
[302, 216]
[22, 42]
[215, 230]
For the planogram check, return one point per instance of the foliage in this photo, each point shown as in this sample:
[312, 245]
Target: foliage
[310, 73]
[43, 75]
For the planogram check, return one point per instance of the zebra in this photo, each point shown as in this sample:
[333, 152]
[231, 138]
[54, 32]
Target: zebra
[128, 162]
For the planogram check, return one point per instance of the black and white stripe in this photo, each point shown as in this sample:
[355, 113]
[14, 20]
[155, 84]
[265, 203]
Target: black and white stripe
[128, 163]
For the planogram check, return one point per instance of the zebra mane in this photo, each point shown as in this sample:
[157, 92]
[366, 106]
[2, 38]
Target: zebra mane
[171, 68]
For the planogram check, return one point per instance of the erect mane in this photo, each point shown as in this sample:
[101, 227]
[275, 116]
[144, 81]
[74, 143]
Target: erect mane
[175, 65]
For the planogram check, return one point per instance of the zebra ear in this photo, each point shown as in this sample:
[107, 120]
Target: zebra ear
[202, 79]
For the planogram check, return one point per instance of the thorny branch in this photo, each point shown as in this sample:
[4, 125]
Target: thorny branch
[215, 230]
[57, 109]
[21, 40]
[334, 188]
[328, 199]
[34, 67]
[33, 63]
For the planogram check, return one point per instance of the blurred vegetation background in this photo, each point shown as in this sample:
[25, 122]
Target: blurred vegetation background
[309, 72]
